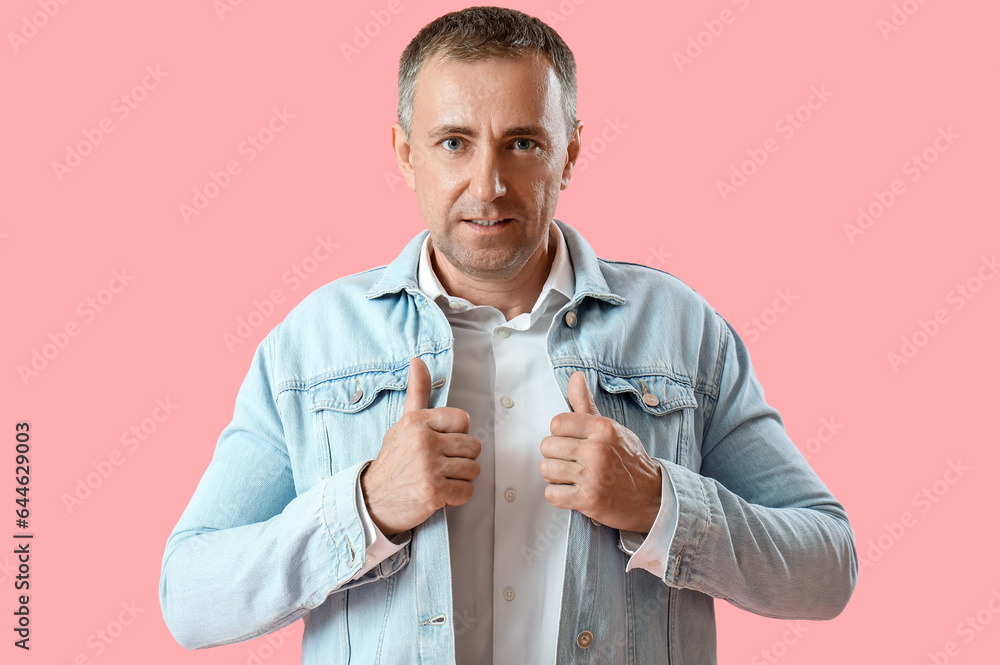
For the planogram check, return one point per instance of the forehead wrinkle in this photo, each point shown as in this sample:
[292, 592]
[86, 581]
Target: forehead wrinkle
[456, 92]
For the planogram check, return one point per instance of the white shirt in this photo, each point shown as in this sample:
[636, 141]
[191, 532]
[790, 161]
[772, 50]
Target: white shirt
[508, 543]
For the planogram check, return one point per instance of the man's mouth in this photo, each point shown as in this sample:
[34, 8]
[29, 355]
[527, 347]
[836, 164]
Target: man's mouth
[489, 222]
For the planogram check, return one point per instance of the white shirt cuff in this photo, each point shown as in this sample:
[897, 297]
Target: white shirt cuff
[650, 551]
[377, 546]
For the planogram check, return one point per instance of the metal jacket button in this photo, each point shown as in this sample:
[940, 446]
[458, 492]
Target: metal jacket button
[584, 639]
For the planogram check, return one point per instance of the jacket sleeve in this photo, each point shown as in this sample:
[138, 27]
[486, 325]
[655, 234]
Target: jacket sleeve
[757, 527]
[249, 556]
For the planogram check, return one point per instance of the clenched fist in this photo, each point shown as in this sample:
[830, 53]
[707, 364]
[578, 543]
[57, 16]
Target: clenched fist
[599, 467]
[427, 461]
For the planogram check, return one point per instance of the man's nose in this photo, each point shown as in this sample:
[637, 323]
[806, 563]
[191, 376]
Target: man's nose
[485, 180]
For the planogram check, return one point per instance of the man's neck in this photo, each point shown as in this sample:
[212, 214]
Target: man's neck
[511, 297]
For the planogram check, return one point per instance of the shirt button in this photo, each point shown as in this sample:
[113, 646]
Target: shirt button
[370, 559]
[504, 332]
[357, 395]
[507, 402]
[653, 564]
[454, 304]
[596, 523]
[584, 639]
[571, 319]
[508, 593]
[650, 399]
[509, 494]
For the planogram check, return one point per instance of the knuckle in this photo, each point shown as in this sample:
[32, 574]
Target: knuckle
[408, 419]
[606, 428]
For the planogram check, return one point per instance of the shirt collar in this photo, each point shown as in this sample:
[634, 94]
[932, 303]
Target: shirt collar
[560, 278]
[587, 270]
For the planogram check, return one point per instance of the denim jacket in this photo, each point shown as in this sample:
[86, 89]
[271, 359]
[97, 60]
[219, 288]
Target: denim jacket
[272, 533]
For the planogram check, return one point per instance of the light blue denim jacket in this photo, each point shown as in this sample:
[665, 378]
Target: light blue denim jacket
[272, 533]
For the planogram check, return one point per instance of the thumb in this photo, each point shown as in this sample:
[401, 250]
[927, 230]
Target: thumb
[579, 395]
[418, 386]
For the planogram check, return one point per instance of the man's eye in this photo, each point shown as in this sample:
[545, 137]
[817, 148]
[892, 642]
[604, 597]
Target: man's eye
[523, 144]
[452, 145]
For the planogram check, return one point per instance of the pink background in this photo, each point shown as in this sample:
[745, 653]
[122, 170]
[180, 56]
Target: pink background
[878, 434]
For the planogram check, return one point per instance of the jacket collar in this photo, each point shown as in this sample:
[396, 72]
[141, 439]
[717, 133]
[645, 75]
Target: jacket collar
[402, 272]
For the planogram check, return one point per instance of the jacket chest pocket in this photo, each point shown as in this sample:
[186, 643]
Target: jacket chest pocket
[658, 409]
[351, 414]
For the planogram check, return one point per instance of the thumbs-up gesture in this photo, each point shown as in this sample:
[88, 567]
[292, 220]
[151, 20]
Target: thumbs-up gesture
[598, 467]
[427, 461]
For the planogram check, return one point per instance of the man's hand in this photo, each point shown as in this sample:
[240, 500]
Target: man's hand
[598, 467]
[427, 461]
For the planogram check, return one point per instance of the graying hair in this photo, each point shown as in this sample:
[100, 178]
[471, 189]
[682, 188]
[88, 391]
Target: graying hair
[485, 32]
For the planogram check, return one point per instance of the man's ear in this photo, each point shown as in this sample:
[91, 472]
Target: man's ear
[401, 147]
[572, 152]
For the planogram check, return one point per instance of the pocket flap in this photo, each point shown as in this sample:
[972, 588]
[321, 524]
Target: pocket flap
[665, 393]
[353, 393]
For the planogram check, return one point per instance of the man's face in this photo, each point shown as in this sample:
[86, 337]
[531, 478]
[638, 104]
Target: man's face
[488, 142]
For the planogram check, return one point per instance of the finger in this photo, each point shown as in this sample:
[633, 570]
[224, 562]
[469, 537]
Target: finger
[447, 419]
[460, 468]
[560, 472]
[560, 447]
[460, 445]
[579, 395]
[572, 424]
[562, 496]
[418, 386]
[458, 492]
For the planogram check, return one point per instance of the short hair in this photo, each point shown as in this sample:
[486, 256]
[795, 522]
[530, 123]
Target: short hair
[477, 33]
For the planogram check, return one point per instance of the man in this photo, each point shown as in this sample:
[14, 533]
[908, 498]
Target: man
[500, 448]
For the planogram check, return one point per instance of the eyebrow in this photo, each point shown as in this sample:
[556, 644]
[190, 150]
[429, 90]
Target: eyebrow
[524, 130]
